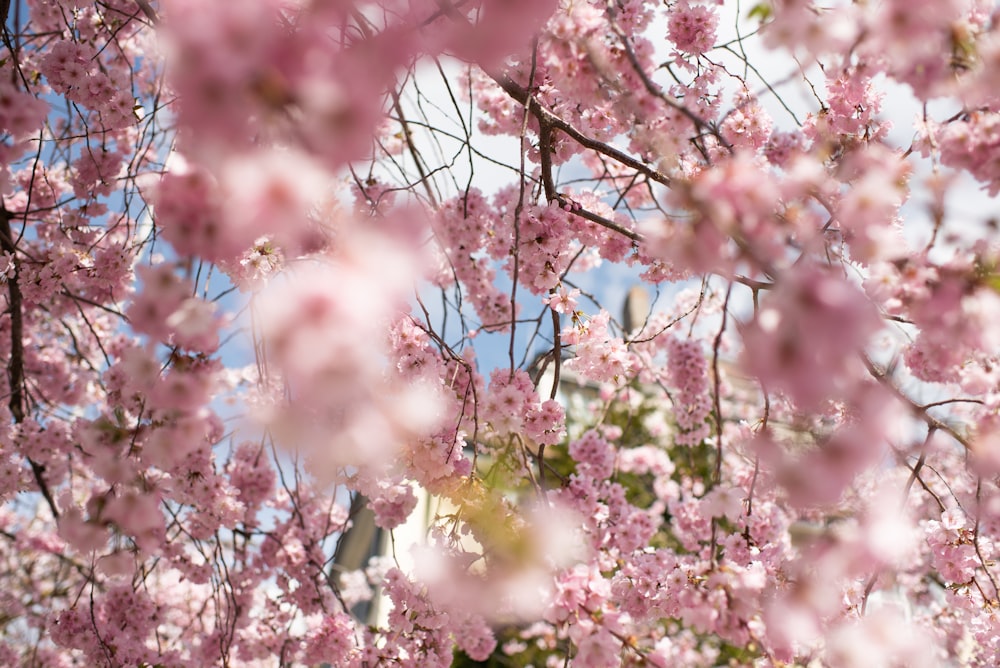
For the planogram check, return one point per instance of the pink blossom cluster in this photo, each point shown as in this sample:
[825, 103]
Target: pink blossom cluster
[799, 343]
[21, 114]
[511, 405]
[420, 633]
[545, 249]
[74, 70]
[692, 27]
[276, 317]
[688, 373]
[970, 143]
[600, 355]
[461, 222]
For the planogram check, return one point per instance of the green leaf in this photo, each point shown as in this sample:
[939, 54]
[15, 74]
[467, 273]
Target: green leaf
[761, 11]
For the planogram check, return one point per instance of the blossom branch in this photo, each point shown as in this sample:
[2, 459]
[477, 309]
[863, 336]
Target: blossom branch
[15, 365]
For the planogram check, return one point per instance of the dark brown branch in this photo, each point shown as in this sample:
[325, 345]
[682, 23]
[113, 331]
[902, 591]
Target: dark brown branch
[975, 544]
[412, 148]
[545, 155]
[916, 409]
[753, 284]
[577, 210]
[556, 354]
[551, 195]
[544, 116]
[148, 10]
[15, 365]
[915, 472]
[655, 91]
[717, 409]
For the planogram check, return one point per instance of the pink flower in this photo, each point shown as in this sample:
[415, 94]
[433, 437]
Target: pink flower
[692, 27]
[563, 301]
[808, 336]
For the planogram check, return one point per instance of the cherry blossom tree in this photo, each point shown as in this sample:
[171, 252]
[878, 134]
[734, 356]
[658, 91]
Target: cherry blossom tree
[269, 265]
